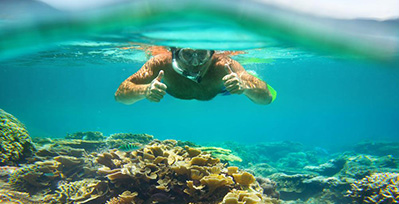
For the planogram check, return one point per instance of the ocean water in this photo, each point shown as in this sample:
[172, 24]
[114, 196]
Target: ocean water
[337, 80]
[330, 136]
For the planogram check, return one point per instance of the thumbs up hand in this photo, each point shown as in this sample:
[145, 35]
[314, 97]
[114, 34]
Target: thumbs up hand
[156, 89]
[232, 81]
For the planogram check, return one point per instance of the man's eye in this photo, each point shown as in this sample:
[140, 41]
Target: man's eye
[202, 54]
[187, 56]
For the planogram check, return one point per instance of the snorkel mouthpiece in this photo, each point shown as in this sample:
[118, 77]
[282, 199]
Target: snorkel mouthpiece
[196, 77]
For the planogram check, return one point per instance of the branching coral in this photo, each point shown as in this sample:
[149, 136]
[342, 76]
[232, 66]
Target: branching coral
[377, 188]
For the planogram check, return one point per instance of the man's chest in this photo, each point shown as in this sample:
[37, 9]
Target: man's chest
[186, 89]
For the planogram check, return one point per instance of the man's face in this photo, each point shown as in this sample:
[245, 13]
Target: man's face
[194, 59]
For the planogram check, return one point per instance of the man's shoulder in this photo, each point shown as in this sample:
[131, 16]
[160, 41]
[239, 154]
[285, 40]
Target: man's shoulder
[221, 60]
[161, 59]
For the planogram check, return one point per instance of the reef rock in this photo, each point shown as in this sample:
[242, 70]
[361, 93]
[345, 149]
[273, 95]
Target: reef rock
[329, 168]
[378, 148]
[360, 166]
[269, 187]
[15, 143]
[88, 145]
[128, 141]
[274, 151]
[91, 135]
[306, 186]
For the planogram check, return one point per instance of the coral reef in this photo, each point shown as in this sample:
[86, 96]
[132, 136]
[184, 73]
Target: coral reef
[44, 175]
[15, 143]
[90, 142]
[329, 168]
[269, 187]
[305, 186]
[124, 141]
[274, 151]
[378, 148]
[140, 138]
[83, 191]
[127, 168]
[126, 197]
[282, 156]
[224, 155]
[358, 166]
[376, 188]
[91, 135]
[8, 196]
[87, 145]
[245, 197]
[326, 182]
[165, 172]
[49, 151]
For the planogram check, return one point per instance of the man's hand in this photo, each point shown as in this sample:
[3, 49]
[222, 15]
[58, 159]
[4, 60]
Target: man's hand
[156, 89]
[232, 81]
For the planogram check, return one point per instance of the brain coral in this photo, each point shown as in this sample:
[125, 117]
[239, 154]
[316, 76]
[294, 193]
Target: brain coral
[163, 172]
[15, 143]
[377, 188]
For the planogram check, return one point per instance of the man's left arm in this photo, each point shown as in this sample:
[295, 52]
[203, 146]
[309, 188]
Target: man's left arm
[239, 81]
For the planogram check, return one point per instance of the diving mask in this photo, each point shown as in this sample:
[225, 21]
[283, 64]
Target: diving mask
[192, 61]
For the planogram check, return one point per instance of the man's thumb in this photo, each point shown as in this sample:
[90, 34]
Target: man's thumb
[160, 76]
[228, 68]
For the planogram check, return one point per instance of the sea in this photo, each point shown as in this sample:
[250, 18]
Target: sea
[337, 80]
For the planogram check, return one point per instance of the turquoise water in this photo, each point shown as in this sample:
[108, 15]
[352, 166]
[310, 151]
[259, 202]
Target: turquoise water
[335, 88]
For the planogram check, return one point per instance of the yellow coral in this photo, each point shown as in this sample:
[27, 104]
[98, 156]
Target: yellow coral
[232, 170]
[200, 161]
[245, 179]
[242, 197]
[215, 181]
[192, 152]
[245, 197]
[377, 188]
[84, 191]
[162, 168]
[126, 197]
[220, 153]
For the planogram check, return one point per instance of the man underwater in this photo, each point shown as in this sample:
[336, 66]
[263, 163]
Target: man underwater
[191, 74]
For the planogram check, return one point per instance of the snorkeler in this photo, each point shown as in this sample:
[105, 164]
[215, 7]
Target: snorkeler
[191, 74]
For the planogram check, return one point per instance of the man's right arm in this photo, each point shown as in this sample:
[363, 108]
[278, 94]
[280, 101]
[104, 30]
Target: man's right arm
[145, 83]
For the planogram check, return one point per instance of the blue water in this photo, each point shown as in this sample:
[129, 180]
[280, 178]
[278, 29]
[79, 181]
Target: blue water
[324, 99]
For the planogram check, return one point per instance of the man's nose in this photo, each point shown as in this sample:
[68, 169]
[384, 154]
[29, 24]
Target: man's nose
[195, 62]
